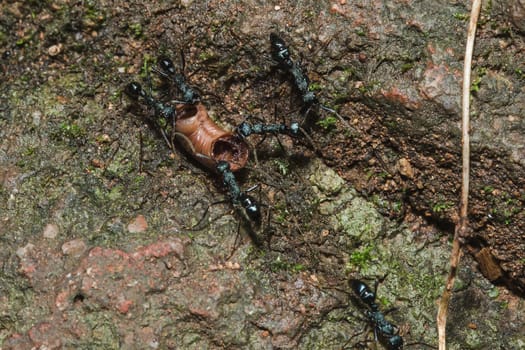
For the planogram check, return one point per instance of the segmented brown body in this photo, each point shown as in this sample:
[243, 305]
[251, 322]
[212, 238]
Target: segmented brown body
[206, 141]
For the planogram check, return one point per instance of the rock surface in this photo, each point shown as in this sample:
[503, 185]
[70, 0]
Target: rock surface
[99, 248]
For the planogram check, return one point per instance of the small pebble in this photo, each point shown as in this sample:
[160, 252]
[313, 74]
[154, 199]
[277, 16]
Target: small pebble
[50, 231]
[22, 252]
[137, 225]
[54, 50]
[405, 168]
[37, 117]
[75, 248]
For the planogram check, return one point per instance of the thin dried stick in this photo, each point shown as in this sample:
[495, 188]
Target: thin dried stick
[461, 225]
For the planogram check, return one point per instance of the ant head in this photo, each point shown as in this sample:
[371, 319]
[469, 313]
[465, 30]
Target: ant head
[244, 130]
[222, 166]
[166, 65]
[250, 207]
[295, 128]
[276, 41]
[363, 291]
[280, 52]
[309, 99]
[134, 89]
[395, 342]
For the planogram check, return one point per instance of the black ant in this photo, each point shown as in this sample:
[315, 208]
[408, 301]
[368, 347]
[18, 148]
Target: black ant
[246, 129]
[247, 202]
[281, 55]
[386, 332]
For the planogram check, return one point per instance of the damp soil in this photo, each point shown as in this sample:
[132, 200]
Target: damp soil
[113, 238]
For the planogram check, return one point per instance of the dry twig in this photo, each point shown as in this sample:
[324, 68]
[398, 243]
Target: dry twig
[461, 225]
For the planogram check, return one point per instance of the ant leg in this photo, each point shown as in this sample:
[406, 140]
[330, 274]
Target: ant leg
[421, 343]
[287, 154]
[283, 120]
[255, 157]
[235, 246]
[182, 61]
[352, 337]
[135, 91]
[198, 226]
[311, 142]
[168, 140]
[254, 187]
[173, 133]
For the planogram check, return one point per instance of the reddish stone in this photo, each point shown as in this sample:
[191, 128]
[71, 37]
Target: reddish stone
[124, 306]
[199, 312]
[137, 225]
